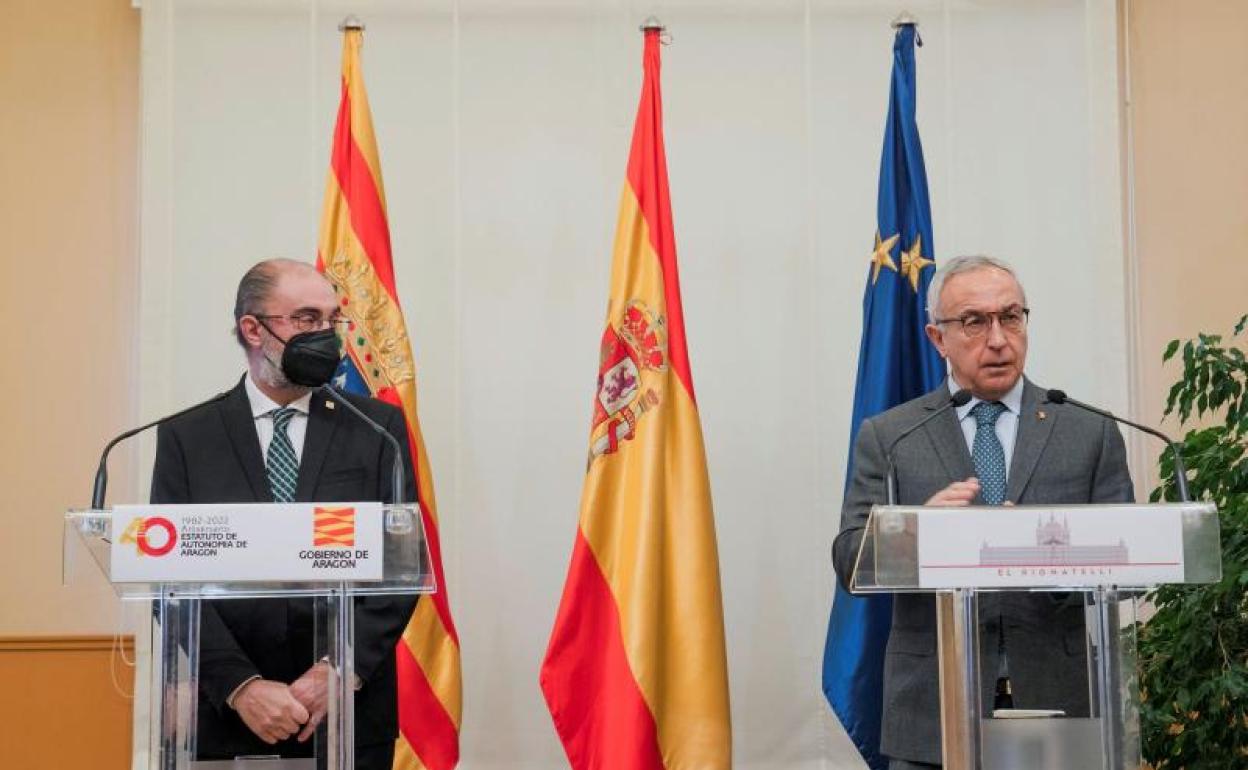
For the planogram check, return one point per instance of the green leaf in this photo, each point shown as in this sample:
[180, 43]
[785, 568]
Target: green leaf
[1170, 351]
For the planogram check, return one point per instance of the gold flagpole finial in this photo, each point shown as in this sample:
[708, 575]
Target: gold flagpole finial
[351, 22]
[904, 19]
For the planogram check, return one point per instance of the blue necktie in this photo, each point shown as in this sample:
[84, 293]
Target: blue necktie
[986, 452]
[282, 465]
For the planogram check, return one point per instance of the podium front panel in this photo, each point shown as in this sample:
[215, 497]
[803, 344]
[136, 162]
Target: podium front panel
[1051, 681]
[1037, 548]
[191, 726]
[405, 561]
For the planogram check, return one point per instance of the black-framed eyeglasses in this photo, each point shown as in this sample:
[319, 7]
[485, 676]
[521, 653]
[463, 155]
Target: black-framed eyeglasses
[306, 322]
[975, 324]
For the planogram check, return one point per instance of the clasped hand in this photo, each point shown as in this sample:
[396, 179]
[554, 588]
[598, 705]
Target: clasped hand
[274, 711]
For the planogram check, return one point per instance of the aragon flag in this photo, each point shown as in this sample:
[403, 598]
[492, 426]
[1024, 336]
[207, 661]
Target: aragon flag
[635, 674]
[354, 253]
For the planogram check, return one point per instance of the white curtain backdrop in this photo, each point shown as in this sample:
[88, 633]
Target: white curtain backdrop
[504, 130]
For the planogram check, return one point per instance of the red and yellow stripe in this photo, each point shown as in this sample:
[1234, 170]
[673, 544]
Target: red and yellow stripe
[354, 252]
[635, 674]
[333, 527]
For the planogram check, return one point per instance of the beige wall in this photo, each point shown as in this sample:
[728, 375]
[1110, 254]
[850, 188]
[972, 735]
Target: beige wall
[1188, 111]
[69, 73]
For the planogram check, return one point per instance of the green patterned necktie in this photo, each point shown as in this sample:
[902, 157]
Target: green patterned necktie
[987, 453]
[282, 465]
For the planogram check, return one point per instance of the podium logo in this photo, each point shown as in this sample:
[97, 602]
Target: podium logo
[151, 535]
[333, 528]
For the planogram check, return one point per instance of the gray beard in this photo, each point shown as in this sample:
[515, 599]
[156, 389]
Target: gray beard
[271, 374]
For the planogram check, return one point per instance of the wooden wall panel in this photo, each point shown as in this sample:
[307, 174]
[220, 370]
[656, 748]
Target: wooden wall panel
[66, 702]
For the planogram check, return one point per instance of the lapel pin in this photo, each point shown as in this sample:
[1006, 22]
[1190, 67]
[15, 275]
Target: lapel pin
[1041, 415]
[329, 404]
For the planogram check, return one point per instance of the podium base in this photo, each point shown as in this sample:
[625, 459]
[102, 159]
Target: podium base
[1042, 744]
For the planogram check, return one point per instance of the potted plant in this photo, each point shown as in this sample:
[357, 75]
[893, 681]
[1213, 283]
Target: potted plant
[1193, 652]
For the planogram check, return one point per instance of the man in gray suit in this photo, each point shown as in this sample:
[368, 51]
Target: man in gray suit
[1008, 445]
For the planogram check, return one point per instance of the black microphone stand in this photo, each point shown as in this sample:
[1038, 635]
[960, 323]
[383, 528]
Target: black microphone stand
[101, 474]
[959, 399]
[399, 494]
[1180, 470]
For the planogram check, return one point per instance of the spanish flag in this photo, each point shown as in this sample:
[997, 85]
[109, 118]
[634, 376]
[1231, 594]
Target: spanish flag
[354, 253]
[635, 674]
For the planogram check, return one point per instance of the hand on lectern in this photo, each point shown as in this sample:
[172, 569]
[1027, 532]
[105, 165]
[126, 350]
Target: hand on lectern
[312, 690]
[958, 493]
[270, 710]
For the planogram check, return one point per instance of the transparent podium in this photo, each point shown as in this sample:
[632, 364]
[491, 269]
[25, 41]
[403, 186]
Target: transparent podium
[185, 558]
[1036, 608]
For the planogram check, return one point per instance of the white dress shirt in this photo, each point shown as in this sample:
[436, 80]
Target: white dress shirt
[262, 412]
[1007, 423]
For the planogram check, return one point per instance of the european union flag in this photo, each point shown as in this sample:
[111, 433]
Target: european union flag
[896, 363]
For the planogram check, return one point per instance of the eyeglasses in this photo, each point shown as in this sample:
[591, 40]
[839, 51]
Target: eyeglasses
[306, 322]
[1012, 320]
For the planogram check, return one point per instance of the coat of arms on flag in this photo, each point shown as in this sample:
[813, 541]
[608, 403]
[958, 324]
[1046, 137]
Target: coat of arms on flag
[631, 349]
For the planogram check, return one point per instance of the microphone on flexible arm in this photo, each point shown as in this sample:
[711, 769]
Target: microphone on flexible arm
[958, 399]
[1180, 471]
[337, 395]
[100, 487]
[961, 398]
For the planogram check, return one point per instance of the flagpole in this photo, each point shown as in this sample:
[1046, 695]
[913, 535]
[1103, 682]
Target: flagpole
[952, 642]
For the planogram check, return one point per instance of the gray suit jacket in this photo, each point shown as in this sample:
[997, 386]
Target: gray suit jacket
[1069, 456]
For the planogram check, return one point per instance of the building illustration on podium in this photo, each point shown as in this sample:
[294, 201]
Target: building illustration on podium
[1053, 548]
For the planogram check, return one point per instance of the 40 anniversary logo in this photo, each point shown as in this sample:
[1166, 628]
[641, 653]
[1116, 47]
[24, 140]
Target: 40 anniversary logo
[151, 535]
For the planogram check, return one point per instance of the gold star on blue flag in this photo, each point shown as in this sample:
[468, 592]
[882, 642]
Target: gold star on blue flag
[882, 256]
[913, 262]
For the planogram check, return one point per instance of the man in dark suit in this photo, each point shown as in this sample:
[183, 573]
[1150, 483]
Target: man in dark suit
[262, 690]
[1007, 446]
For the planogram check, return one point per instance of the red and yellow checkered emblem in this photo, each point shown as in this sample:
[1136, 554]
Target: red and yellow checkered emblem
[333, 527]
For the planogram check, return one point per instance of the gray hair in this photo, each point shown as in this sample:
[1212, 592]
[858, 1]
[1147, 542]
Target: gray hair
[256, 287]
[965, 264]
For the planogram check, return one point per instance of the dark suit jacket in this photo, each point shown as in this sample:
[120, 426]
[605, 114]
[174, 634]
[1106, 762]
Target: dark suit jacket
[212, 455]
[1070, 456]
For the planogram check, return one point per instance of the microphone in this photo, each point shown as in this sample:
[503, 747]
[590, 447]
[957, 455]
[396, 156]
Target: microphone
[337, 395]
[1180, 471]
[959, 399]
[101, 473]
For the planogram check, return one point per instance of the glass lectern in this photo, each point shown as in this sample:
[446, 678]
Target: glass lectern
[999, 575]
[196, 556]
